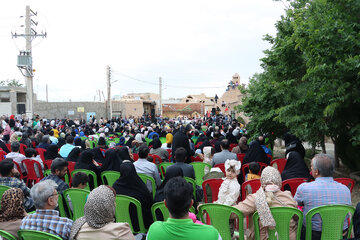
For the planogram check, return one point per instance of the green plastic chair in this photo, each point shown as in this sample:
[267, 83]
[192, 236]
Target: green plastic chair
[147, 178]
[164, 211]
[193, 183]
[122, 212]
[282, 216]
[90, 173]
[199, 168]
[61, 203]
[93, 143]
[219, 216]
[7, 235]
[78, 199]
[109, 177]
[37, 235]
[3, 188]
[83, 138]
[332, 217]
[162, 140]
[116, 140]
[162, 168]
[47, 172]
[148, 141]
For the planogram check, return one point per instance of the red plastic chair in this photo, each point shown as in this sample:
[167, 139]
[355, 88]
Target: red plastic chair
[245, 168]
[2, 154]
[232, 146]
[347, 182]
[103, 151]
[196, 159]
[156, 158]
[198, 145]
[214, 185]
[293, 184]
[170, 153]
[22, 148]
[240, 157]
[31, 177]
[221, 166]
[270, 157]
[41, 152]
[19, 169]
[279, 164]
[71, 167]
[135, 156]
[249, 187]
[48, 163]
[8, 145]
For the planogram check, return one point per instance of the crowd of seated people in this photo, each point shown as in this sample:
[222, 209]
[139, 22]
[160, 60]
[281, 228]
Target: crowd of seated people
[165, 153]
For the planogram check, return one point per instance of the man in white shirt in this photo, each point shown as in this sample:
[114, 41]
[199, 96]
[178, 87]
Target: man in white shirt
[142, 165]
[16, 156]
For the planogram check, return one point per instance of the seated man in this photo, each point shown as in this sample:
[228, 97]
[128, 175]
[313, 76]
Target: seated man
[178, 200]
[261, 140]
[9, 177]
[180, 157]
[16, 156]
[224, 155]
[58, 171]
[46, 218]
[66, 149]
[323, 191]
[142, 165]
[45, 142]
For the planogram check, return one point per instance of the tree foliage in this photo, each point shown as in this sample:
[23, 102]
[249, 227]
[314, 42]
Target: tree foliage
[311, 79]
[11, 83]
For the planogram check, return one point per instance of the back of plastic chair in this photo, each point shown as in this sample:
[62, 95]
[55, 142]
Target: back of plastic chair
[61, 204]
[122, 212]
[3, 188]
[214, 185]
[109, 177]
[222, 167]
[279, 164]
[219, 216]
[245, 168]
[8, 145]
[249, 187]
[293, 184]
[156, 158]
[19, 170]
[282, 217]
[162, 168]
[36, 235]
[91, 174]
[145, 178]
[232, 145]
[135, 156]
[47, 164]
[347, 182]
[269, 157]
[41, 152]
[240, 156]
[78, 199]
[164, 211]
[196, 159]
[332, 217]
[199, 168]
[193, 183]
[7, 235]
[2, 154]
[162, 140]
[32, 177]
[170, 153]
[22, 148]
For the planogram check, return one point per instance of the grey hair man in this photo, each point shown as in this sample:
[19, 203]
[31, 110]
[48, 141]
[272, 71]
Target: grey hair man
[46, 218]
[16, 155]
[323, 191]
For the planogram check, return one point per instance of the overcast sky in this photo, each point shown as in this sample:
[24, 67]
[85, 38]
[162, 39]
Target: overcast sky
[191, 44]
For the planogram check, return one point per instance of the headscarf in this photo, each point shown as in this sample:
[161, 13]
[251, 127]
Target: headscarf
[172, 172]
[156, 143]
[295, 167]
[169, 138]
[123, 153]
[85, 161]
[99, 210]
[12, 205]
[138, 137]
[121, 141]
[101, 141]
[98, 156]
[233, 163]
[52, 152]
[243, 145]
[112, 161]
[256, 154]
[77, 142]
[82, 134]
[270, 182]
[61, 142]
[74, 155]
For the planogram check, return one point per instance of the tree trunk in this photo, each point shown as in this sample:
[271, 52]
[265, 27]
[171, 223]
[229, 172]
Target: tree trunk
[322, 143]
[337, 160]
[313, 148]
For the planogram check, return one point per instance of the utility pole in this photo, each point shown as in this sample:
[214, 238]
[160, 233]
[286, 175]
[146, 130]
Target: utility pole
[160, 96]
[47, 99]
[25, 58]
[109, 107]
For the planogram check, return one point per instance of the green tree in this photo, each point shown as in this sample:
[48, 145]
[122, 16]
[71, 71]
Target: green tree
[11, 83]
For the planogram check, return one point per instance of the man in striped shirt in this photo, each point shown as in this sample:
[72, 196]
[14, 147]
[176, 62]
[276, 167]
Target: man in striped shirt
[323, 191]
[46, 218]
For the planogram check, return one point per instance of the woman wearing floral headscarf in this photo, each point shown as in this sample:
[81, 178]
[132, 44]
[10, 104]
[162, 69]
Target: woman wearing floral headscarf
[268, 195]
[98, 220]
[12, 210]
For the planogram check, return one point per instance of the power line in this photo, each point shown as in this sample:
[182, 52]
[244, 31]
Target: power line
[164, 85]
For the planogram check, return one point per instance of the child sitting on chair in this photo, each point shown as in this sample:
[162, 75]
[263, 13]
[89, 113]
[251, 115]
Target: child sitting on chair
[230, 188]
[254, 169]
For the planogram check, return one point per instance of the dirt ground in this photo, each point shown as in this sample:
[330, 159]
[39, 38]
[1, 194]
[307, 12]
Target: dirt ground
[342, 171]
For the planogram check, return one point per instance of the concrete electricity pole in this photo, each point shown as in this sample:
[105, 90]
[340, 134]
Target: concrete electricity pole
[160, 96]
[25, 58]
[109, 107]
